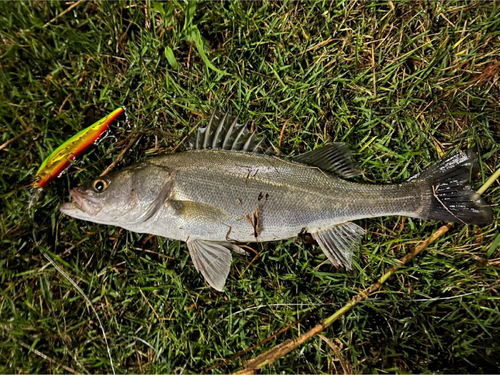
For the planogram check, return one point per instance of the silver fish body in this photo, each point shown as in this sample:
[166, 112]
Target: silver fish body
[214, 199]
[245, 197]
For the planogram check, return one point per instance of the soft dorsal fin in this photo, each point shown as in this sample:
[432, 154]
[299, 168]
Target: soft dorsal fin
[224, 133]
[335, 158]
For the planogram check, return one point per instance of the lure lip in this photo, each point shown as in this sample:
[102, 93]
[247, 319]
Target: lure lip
[62, 157]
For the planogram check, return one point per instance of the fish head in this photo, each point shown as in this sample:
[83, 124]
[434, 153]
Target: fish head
[123, 198]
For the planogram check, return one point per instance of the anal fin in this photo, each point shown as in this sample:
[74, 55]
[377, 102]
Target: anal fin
[339, 242]
[212, 259]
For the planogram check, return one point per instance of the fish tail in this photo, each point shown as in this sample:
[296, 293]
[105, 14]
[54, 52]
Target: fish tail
[447, 194]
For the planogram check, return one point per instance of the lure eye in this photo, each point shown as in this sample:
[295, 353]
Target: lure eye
[99, 186]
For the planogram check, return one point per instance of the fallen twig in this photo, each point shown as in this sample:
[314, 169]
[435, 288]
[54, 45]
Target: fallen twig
[15, 138]
[279, 351]
[46, 357]
[237, 355]
[63, 12]
[122, 154]
[184, 139]
[284, 348]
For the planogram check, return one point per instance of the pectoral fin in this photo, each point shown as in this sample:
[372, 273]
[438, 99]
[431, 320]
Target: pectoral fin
[198, 211]
[339, 242]
[212, 259]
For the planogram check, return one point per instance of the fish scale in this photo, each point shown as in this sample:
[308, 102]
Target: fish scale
[299, 197]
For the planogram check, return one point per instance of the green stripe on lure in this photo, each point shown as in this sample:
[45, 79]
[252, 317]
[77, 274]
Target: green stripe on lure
[66, 153]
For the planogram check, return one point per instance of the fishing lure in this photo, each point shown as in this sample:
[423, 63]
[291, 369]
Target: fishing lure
[62, 157]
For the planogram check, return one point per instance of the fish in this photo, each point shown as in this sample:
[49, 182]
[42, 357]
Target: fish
[228, 188]
[65, 155]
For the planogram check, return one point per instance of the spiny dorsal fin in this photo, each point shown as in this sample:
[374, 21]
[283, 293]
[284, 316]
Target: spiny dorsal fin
[335, 158]
[224, 133]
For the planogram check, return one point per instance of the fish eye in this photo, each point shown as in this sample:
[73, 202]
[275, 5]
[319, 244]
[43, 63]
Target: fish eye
[99, 186]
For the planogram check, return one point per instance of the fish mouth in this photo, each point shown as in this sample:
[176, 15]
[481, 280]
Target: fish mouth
[81, 205]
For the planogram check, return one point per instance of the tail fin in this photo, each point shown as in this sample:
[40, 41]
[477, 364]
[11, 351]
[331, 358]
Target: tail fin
[450, 195]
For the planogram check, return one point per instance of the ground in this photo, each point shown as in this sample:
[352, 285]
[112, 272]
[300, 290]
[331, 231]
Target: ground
[402, 83]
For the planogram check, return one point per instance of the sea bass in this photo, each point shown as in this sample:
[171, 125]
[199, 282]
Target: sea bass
[227, 189]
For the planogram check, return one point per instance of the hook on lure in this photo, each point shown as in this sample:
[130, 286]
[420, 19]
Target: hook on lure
[63, 156]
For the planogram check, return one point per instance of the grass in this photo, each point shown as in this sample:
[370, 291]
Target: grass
[401, 82]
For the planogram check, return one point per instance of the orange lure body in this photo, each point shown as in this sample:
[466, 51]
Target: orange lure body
[62, 157]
